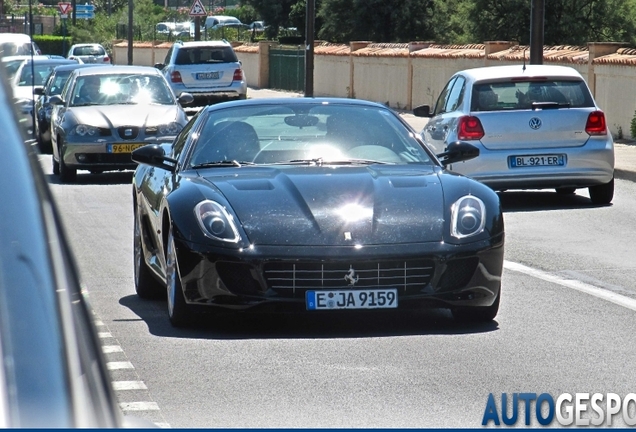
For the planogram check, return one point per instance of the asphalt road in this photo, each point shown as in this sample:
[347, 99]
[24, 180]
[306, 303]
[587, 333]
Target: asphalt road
[566, 323]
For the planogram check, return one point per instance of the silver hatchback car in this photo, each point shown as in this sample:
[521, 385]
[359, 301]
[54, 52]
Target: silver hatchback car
[536, 127]
[208, 70]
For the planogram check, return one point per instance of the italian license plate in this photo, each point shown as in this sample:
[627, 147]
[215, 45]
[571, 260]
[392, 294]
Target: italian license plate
[351, 299]
[207, 75]
[123, 148]
[537, 160]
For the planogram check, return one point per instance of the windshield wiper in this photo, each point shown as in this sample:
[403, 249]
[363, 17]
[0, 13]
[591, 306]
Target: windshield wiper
[223, 163]
[321, 161]
[549, 105]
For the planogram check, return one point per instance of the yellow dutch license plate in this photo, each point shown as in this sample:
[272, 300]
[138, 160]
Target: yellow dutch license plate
[123, 148]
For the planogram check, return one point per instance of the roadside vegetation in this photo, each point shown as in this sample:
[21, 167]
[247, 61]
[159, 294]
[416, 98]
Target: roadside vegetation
[567, 22]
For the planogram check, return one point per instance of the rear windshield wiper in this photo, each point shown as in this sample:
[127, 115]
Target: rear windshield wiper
[223, 163]
[549, 105]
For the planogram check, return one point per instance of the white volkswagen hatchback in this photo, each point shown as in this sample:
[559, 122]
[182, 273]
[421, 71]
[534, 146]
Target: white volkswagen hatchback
[536, 127]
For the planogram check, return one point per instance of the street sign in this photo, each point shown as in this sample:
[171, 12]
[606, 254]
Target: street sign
[64, 8]
[197, 9]
[84, 11]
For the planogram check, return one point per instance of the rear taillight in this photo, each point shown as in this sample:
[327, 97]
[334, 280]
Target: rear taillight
[175, 77]
[469, 128]
[106, 59]
[596, 123]
[238, 75]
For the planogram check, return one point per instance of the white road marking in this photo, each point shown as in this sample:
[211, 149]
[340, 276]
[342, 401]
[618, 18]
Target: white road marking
[129, 385]
[107, 349]
[104, 335]
[119, 365]
[595, 291]
[139, 406]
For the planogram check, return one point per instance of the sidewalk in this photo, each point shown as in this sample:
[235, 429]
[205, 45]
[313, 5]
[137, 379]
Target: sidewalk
[624, 150]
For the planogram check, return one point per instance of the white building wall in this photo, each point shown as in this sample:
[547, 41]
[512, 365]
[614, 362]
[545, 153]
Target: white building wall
[250, 64]
[331, 75]
[381, 79]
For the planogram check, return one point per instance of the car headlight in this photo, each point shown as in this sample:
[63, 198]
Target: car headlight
[169, 129]
[84, 130]
[216, 222]
[468, 217]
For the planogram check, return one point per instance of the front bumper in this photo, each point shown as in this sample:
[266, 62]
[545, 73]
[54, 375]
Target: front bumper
[425, 275]
[99, 155]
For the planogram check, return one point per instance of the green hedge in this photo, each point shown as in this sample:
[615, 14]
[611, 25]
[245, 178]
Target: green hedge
[56, 45]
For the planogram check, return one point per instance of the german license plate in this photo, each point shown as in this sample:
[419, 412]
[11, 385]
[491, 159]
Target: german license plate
[123, 148]
[351, 299]
[207, 75]
[537, 160]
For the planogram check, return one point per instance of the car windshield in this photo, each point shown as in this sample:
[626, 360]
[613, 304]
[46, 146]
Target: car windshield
[202, 55]
[521, 94]
[113, 89]
[306, 134]
[57, 82]
[36, 75]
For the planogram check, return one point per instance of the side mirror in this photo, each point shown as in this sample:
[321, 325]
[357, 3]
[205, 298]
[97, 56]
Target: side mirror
[422, 111]
[153, 155]
[185, 98]
[56, 100]
[458, 151]
[38, 91]
[159, 65]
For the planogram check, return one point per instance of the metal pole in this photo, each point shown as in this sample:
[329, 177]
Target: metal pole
[130, 32]
[537, 18]
[309, 48]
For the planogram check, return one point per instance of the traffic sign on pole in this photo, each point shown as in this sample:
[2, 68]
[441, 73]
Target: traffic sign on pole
[64, 8]
[197, 9]
[84, 11]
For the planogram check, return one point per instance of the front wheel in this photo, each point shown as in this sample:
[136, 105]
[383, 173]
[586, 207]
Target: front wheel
[178, 310]
[146, 285]
[67, 174]
[602, 194]
[479, 313]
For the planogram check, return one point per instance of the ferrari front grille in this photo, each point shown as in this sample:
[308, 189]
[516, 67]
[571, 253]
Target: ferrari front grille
[292, 279]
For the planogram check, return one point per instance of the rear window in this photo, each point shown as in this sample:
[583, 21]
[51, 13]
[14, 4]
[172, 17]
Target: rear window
[521, 94]
[88, 51]
[203, 55]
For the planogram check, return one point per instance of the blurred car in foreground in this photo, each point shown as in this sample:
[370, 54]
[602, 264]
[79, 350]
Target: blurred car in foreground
[31, 76]
[89, 53]
[12, 44]
[536, 127]
[43, 109]
[13, 63]
[209, 70]
[103, 113]
[53, 374]
[312, 205]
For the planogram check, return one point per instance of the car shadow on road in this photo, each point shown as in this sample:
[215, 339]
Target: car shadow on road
[527, 201]
[88, 178]
[322, 325]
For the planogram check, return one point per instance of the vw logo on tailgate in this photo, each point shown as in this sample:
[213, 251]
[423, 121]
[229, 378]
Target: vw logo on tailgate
[535, 123]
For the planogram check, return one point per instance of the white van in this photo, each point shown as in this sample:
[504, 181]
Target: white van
[12, 44]
[214, 22]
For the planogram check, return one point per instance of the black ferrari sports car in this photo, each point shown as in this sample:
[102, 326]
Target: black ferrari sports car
[312, 204]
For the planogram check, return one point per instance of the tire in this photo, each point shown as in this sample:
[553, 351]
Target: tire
[602, 194]
[478, 314]
[56, 166]
[67, 175]
[178, 310]
[565, 190]
[146, 285]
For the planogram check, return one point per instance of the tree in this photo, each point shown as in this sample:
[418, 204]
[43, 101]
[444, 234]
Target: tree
[275, 13]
